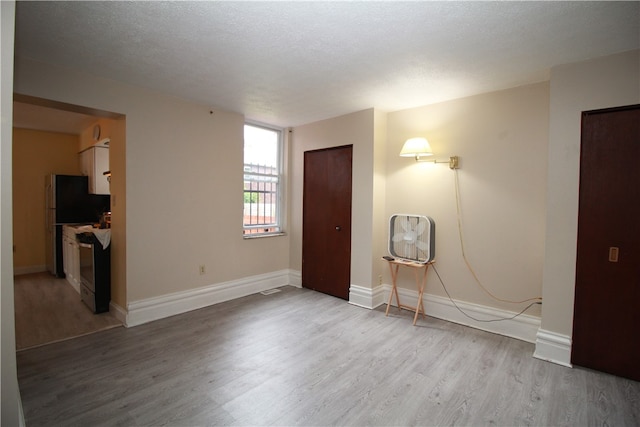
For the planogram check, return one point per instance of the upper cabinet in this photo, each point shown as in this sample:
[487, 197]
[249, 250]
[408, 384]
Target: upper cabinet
[94, 162]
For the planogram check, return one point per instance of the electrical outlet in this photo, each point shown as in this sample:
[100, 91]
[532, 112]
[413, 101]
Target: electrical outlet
[202, 269]
[380, 279]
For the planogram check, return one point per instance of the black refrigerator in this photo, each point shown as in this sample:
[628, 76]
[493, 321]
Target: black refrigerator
[67, 201]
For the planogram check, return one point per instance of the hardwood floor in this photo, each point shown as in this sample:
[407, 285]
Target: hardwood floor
[299, 357]
[48, 309]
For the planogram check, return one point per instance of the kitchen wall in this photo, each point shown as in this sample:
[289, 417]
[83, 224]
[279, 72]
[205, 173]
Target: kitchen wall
[599, 83]
[107, 129]
[501, 139]
[36, 154]
[183, 190]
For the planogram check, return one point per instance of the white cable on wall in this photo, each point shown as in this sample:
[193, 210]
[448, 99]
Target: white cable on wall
[464, 255]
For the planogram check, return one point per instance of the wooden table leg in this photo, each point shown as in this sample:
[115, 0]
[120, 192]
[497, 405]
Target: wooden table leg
[394, 288]
[421, 284]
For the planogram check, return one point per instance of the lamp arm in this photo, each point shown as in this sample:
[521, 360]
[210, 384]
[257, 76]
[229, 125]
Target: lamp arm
[454, 161]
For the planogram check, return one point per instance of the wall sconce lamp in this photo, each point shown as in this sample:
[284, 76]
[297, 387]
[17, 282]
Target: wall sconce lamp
[419, 147]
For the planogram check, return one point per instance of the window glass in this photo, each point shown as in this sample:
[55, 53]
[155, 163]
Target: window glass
[262, 181]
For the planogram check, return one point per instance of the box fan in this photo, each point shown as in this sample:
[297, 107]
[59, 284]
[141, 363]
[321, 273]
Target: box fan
[412, 238]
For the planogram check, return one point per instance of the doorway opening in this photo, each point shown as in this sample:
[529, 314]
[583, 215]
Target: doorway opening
[47, 139]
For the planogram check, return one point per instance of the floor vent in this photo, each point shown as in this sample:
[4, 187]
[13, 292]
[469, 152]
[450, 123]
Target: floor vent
[270, 291]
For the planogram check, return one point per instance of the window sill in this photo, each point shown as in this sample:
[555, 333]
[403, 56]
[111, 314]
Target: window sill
[262, 236]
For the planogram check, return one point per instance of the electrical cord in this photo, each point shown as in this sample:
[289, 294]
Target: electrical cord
[473, 318]
[466, 261]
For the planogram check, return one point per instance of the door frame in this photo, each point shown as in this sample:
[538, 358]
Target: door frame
[350, 219]
[579, 307]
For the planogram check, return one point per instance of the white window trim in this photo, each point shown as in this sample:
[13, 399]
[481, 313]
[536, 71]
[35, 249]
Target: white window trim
[281, 184]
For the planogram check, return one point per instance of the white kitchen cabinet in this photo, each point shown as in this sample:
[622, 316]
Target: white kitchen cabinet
[94, 162]
[71, 256]
[65, 255]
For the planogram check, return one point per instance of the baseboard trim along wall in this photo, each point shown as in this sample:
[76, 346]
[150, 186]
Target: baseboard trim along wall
[524, 327]
[367, 297]
[148, 310]
[295, 278]
[118, 312]
[553, 347]
[549, 346]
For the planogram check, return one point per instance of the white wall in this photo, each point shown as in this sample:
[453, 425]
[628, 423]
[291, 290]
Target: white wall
[183, 184]
[501, 138]
[10, 412]
[600, 83]
[379, 211]
[356, 129]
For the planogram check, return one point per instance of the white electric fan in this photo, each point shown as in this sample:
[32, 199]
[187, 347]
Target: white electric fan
[412, 238]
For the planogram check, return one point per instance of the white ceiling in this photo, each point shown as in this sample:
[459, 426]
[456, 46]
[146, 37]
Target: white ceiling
[290, 63]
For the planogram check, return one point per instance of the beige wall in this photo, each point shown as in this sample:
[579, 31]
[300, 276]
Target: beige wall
[183, 170]
[601, 83]
[501, 138]
[117, 163]
[355, 129]
[36, 154]
[379, 211]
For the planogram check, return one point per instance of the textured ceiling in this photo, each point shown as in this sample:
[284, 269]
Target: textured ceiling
[289, 63]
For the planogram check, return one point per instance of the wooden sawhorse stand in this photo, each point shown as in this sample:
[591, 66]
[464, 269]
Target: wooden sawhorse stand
[394, 266]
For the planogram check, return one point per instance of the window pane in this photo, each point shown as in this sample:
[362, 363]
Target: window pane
[260, 146]
[261, 180]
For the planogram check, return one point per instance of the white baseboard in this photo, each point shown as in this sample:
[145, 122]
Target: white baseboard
[18, 271]
[366, 297]
[118, 312]
[549, 346]
[147, 310]
[553, 347]
[295, 278]
[523, 327]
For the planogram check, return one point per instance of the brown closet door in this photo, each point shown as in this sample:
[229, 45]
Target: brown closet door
[606, 322]
[326, 223]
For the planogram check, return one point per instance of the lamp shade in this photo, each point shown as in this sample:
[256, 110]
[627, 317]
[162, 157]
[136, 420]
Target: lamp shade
[416, 147]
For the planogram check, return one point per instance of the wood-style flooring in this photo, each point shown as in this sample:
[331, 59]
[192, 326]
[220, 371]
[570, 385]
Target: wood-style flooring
[299, 357]
[48, 309]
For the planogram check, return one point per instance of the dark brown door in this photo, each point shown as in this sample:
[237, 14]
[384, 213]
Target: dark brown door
[326, 223]
[606, 322]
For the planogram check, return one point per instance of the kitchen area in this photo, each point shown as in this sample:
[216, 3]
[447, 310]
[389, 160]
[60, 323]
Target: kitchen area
[63, 268]
[78, 221]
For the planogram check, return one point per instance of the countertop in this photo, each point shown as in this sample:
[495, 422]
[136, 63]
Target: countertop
[102, 234]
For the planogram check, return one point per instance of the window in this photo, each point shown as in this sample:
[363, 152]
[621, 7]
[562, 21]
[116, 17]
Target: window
[262, 180]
